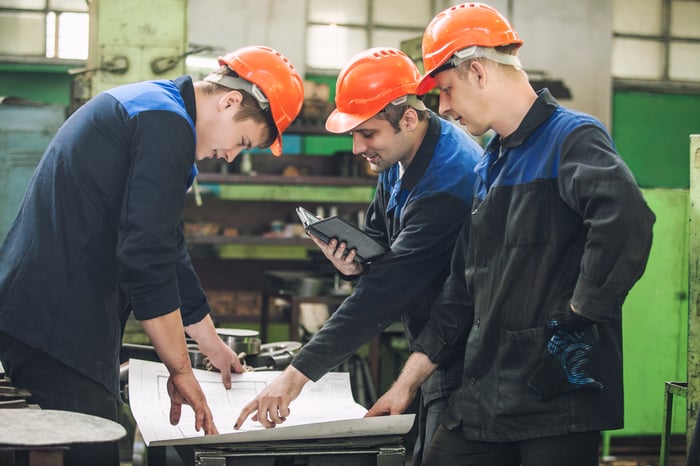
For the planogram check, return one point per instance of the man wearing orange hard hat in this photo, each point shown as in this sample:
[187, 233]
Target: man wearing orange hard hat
[558, 234]
[425, 166]
[99, 235]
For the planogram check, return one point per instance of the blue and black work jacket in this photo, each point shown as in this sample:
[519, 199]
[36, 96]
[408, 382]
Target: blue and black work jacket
[419, 216]
[557, 219]
[100, 231]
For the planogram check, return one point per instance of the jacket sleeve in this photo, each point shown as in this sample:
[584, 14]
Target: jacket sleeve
[451, 317]
[393, 283]
[162, 151]
[194, 301]
[595, 182]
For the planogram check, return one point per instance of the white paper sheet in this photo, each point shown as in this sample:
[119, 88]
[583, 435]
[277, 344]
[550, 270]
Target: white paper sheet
[318, 408]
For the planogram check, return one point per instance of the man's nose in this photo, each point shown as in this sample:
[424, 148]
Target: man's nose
[233, 153]
[358, 146]
[444, 105]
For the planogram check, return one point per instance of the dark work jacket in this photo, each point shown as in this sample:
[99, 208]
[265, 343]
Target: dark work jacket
[557, 219]
[100, 229]
[419, 216]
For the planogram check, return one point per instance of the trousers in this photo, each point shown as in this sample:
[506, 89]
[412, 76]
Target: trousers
[450, 447]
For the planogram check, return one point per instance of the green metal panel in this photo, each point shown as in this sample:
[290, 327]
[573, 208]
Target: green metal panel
[651, 133]
[326, 145]
[141, 32]
[300, 193]
[254, 251]
[655, 320]
[50, 84]
[693, 379]
[25, 131]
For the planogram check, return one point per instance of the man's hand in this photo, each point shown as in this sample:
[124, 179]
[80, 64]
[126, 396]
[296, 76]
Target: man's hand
[224, 359]
[168, 338]
[271, 406]
[564, 364]
[220, 355]
[184, 389]
[395, 401]
[340, 256]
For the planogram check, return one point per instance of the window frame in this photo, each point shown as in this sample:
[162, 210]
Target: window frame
[665, 84]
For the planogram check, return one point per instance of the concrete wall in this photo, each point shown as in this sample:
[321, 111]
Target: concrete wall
[231, 24]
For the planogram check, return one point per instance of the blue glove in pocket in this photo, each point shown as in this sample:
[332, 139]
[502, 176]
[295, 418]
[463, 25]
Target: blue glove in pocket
[564, 365]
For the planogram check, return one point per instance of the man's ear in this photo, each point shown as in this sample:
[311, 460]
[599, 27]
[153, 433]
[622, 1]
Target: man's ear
[229, 99]
[477, 72]
[410, 118]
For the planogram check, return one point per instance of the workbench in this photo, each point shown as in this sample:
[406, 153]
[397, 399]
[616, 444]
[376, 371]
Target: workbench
[368, 442]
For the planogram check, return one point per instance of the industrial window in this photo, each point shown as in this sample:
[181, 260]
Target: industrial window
[656, 44]
[337, 29]
[44, 28]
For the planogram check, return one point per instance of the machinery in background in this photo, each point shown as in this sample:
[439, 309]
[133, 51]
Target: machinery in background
[131, 41]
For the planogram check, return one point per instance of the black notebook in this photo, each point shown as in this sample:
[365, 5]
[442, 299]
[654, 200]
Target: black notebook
[335, 227]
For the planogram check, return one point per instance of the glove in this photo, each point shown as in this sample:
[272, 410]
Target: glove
[564, 364]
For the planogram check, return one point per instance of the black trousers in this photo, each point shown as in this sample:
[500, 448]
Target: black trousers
[53, 385]
[451, 448]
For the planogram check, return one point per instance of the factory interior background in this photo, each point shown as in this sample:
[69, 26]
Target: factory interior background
[633, 64]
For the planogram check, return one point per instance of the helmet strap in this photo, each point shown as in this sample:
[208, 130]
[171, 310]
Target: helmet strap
[239, 84]
[411, 100]
[489, 53]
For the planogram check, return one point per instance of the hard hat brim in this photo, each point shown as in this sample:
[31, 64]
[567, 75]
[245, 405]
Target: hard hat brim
[276, 146]
[339, 122]
[425, 85]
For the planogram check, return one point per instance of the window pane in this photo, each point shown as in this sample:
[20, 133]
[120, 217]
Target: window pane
[392, 38]
[639, 59]
[338, 11]
[412, 12]
[73, 35]
[27, 4]
[685, 19]
[331, 47]
[684, 61]
[637, 16]
[68, 5]
[22, 34]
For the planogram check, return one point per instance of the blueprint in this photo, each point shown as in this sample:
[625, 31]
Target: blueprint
[323, 409]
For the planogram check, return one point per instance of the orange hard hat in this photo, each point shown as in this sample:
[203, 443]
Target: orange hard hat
[276, 77]
[459, 27]
[368, 83]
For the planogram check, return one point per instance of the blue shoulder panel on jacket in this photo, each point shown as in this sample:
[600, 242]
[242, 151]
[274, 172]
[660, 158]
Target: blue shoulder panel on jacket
[149, 95]
[537, 158]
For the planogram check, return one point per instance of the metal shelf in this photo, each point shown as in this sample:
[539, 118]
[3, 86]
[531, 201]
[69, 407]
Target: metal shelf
[279, 188]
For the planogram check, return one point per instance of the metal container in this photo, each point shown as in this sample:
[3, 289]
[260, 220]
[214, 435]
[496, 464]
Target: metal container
[197, 359]
[241, 340]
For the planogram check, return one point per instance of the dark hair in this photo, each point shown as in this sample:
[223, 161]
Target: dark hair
[393, 114]
[250, 109]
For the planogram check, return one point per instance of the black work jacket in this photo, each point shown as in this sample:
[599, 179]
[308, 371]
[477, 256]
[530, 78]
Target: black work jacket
[100, 232]
[557, 219]
[419, 216]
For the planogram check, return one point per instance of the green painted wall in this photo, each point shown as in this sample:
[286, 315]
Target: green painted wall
[651, 133]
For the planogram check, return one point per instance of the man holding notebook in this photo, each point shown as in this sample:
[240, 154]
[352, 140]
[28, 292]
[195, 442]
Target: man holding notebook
[424, 192]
